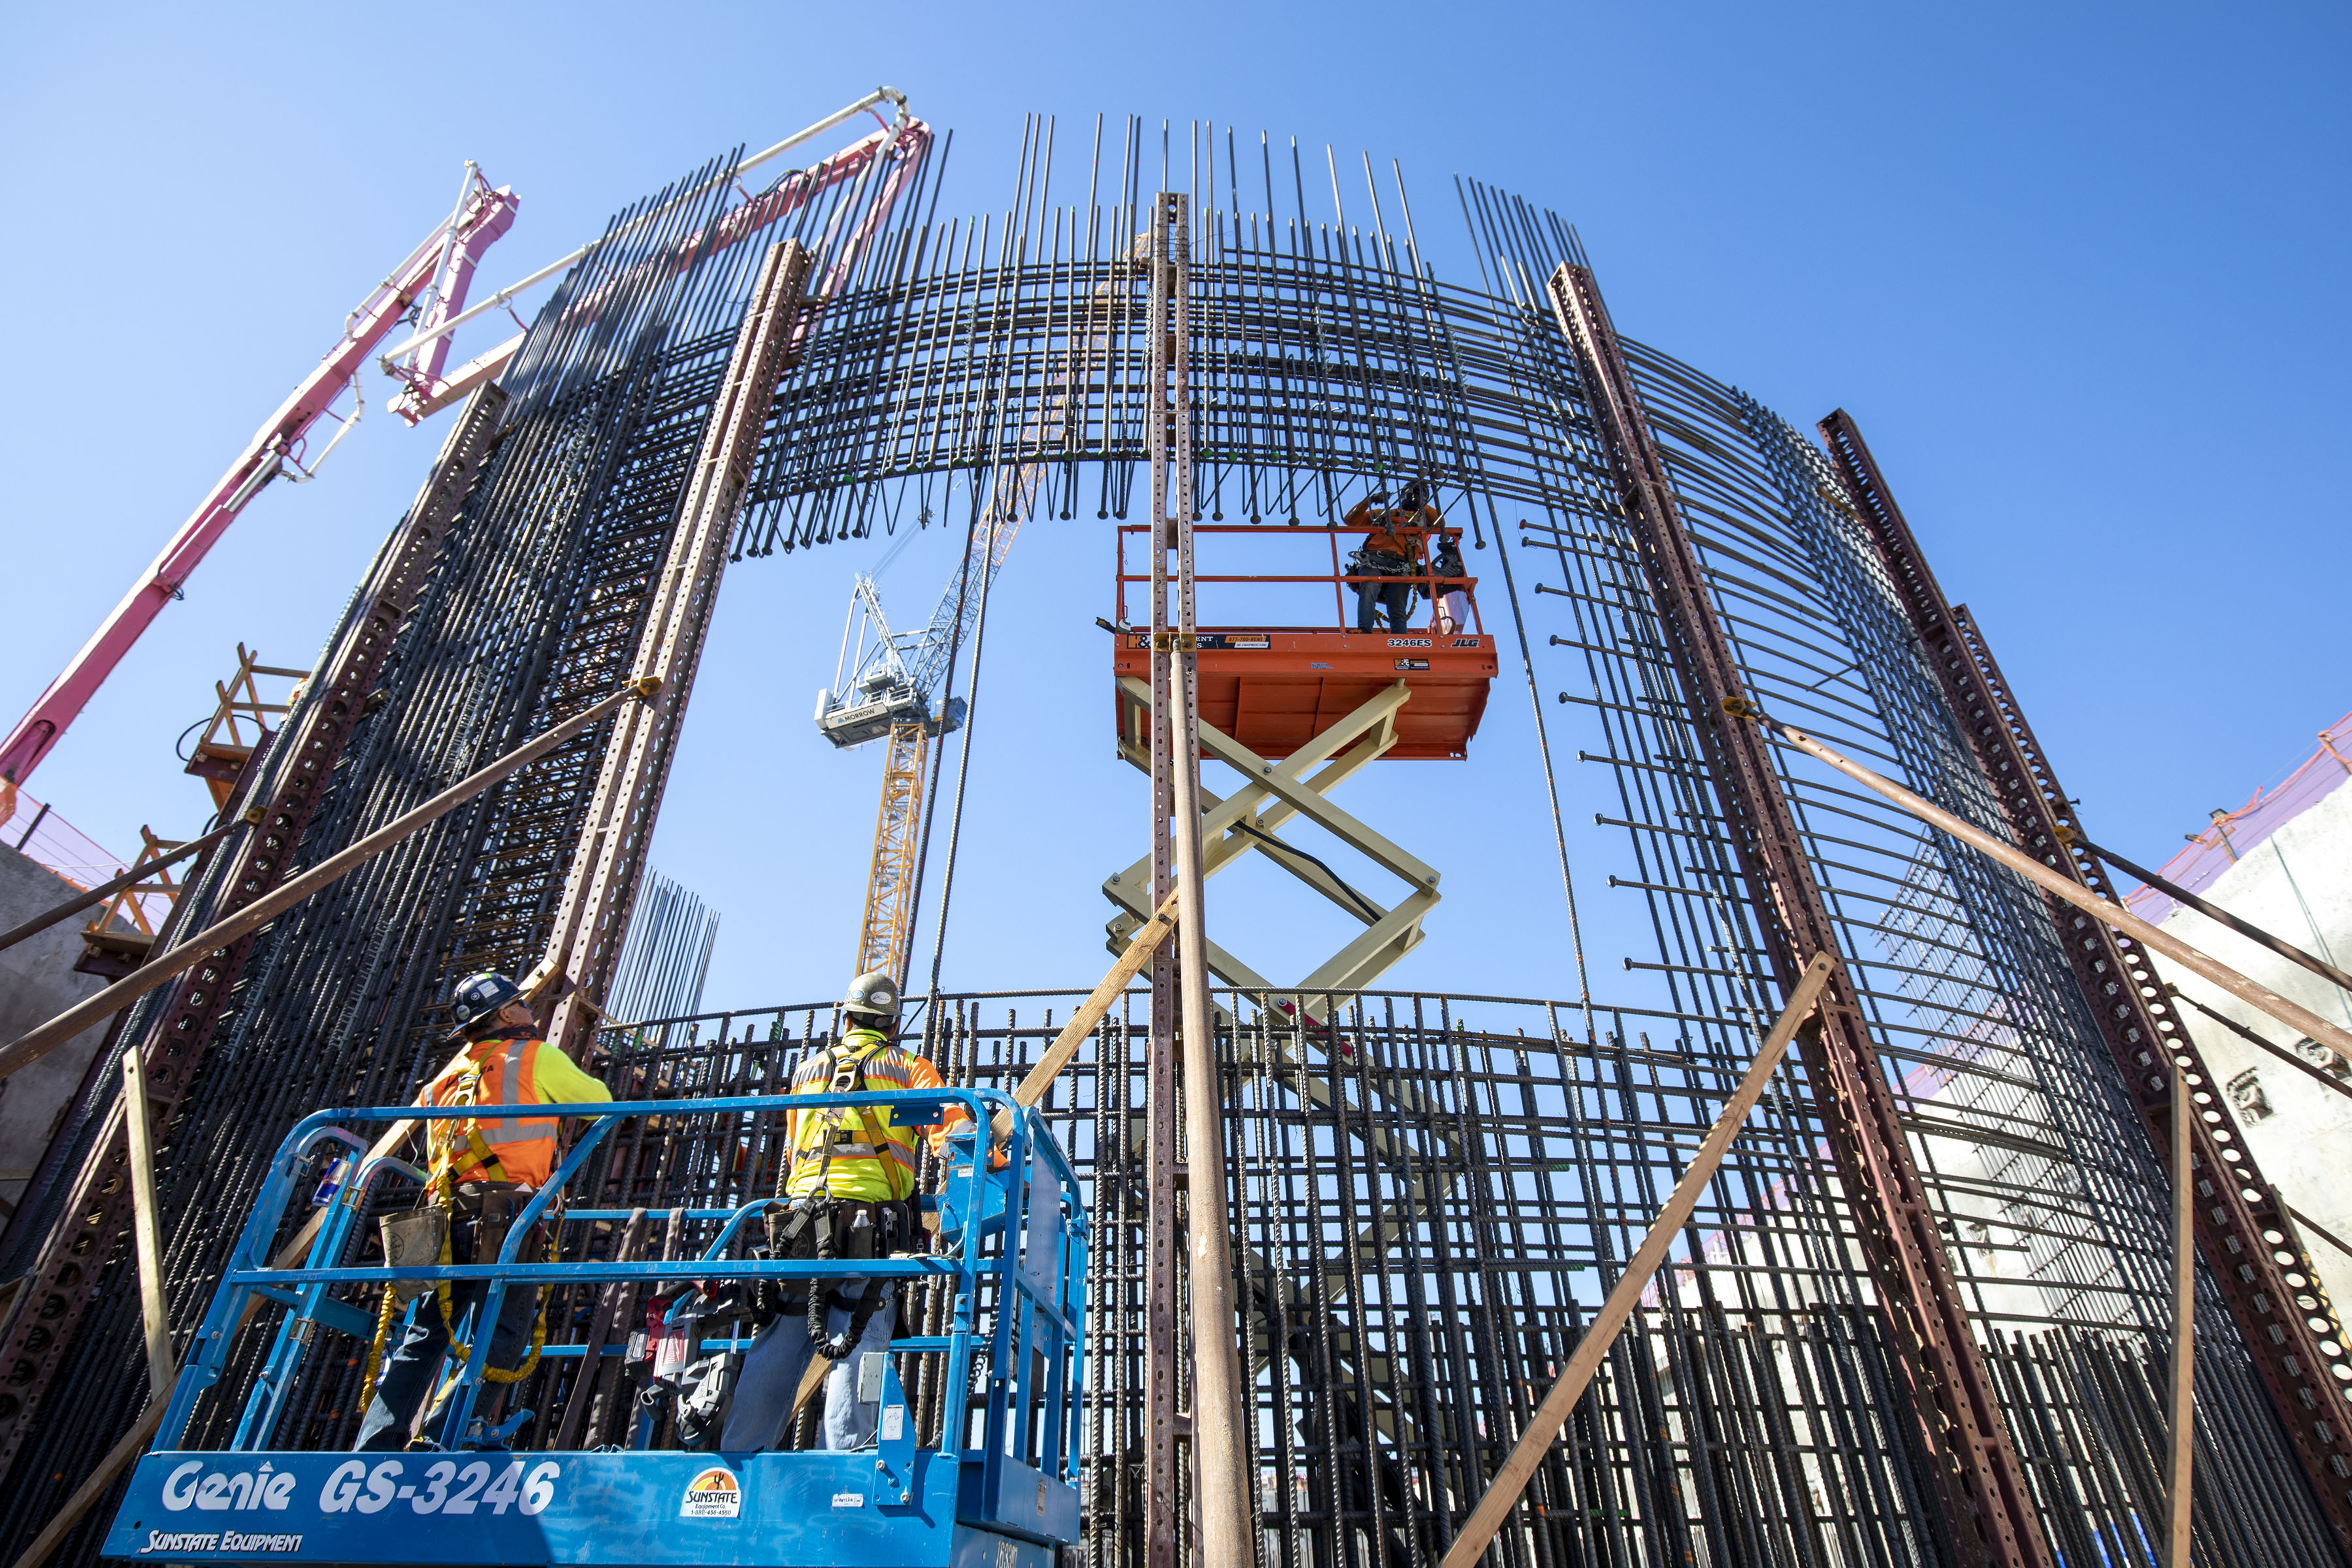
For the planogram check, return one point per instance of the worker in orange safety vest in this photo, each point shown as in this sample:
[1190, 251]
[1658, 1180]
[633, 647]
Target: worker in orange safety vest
[1392, 550]
[482, 1169]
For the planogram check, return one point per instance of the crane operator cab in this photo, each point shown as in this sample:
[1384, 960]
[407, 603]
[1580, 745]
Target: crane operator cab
[1402, 608]
[982, 1469]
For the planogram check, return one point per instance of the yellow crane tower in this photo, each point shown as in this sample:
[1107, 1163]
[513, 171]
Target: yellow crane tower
[882, 690]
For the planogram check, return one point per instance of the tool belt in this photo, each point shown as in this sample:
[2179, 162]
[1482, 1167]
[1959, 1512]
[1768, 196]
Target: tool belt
[455, 1222]
[825, 1228]
[482, 1213]
[472, 1225]
[1377, 563]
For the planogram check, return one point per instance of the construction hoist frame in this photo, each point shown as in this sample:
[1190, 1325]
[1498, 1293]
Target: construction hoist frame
[1986, 1506]
[2252, 1245]
[996, 1487]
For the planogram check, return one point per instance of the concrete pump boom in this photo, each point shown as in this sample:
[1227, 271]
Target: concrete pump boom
[441, 264]
[433, 282]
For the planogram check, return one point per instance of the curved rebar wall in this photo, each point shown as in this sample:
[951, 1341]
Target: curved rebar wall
[1429, 1207]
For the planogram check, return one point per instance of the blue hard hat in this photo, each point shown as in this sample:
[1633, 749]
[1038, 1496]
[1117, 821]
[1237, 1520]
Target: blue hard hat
[478, 996]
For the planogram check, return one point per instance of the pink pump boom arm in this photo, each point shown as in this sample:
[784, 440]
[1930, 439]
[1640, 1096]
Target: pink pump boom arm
[487, 214]
[450, 254]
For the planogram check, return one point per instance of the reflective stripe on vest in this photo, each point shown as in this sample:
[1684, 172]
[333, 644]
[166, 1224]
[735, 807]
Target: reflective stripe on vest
[871, 1157]
[525, 1146]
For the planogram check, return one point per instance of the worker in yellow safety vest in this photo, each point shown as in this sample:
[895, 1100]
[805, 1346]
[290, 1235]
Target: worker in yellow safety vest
[482, 1170]
[850, 1185]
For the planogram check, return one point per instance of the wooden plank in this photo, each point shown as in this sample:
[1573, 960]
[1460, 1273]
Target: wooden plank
[146, 1235]
[1140, 946]
[2183, 1415]
[1503, 1495]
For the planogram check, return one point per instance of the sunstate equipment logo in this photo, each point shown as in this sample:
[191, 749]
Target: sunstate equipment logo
[227, 1541]
[712, 1494]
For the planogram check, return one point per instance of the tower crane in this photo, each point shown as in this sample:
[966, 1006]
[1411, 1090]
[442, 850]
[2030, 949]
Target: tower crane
[882, 690]
[890, 676]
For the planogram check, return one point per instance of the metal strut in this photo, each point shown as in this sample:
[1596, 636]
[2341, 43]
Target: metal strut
[1271, 794]
[2236, 1218]
[1989, 1512]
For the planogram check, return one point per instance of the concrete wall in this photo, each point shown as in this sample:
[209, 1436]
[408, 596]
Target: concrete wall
[36, 983]
[2296, 885]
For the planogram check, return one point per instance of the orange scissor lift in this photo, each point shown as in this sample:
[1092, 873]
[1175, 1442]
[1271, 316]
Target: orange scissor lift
[1297, 710]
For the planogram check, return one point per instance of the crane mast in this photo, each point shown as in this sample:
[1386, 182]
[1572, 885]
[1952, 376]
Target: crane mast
[888, 694]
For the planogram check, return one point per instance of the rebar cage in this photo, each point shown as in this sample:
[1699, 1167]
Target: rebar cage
[1431, 1196]
[1426, 1228]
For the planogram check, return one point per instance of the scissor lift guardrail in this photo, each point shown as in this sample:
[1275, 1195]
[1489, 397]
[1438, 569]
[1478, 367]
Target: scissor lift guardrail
[998, 1487]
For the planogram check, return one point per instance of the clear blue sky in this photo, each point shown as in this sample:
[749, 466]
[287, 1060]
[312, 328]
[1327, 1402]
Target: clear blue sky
[2077, 270]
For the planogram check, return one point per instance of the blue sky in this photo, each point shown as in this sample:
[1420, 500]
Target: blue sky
[2076, 270]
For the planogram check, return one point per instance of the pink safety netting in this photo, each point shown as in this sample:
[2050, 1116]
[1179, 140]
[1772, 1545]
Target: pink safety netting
[33, 830]
[2234, 833]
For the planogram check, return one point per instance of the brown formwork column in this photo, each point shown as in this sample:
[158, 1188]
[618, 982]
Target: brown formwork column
[1987, 1510]
[1160, 1303]
[2236, 1215]
[292, 771]
[602, 887]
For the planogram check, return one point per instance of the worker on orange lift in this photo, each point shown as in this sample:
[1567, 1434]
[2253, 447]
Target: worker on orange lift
[482, 1172]
[851, 1188]
[1392, 550]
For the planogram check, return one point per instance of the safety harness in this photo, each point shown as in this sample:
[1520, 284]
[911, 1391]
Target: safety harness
[821, 1225]
[436, 1215]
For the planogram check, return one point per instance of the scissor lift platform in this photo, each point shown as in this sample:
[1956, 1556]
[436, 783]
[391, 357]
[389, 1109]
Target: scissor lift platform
[993, 1487]
[1275, 689]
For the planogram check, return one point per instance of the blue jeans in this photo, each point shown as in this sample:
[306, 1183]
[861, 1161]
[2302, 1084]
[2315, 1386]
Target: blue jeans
[409, 1372]
[771, 1374]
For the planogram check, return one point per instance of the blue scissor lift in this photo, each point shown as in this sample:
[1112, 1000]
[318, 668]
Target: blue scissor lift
[998, 1488]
